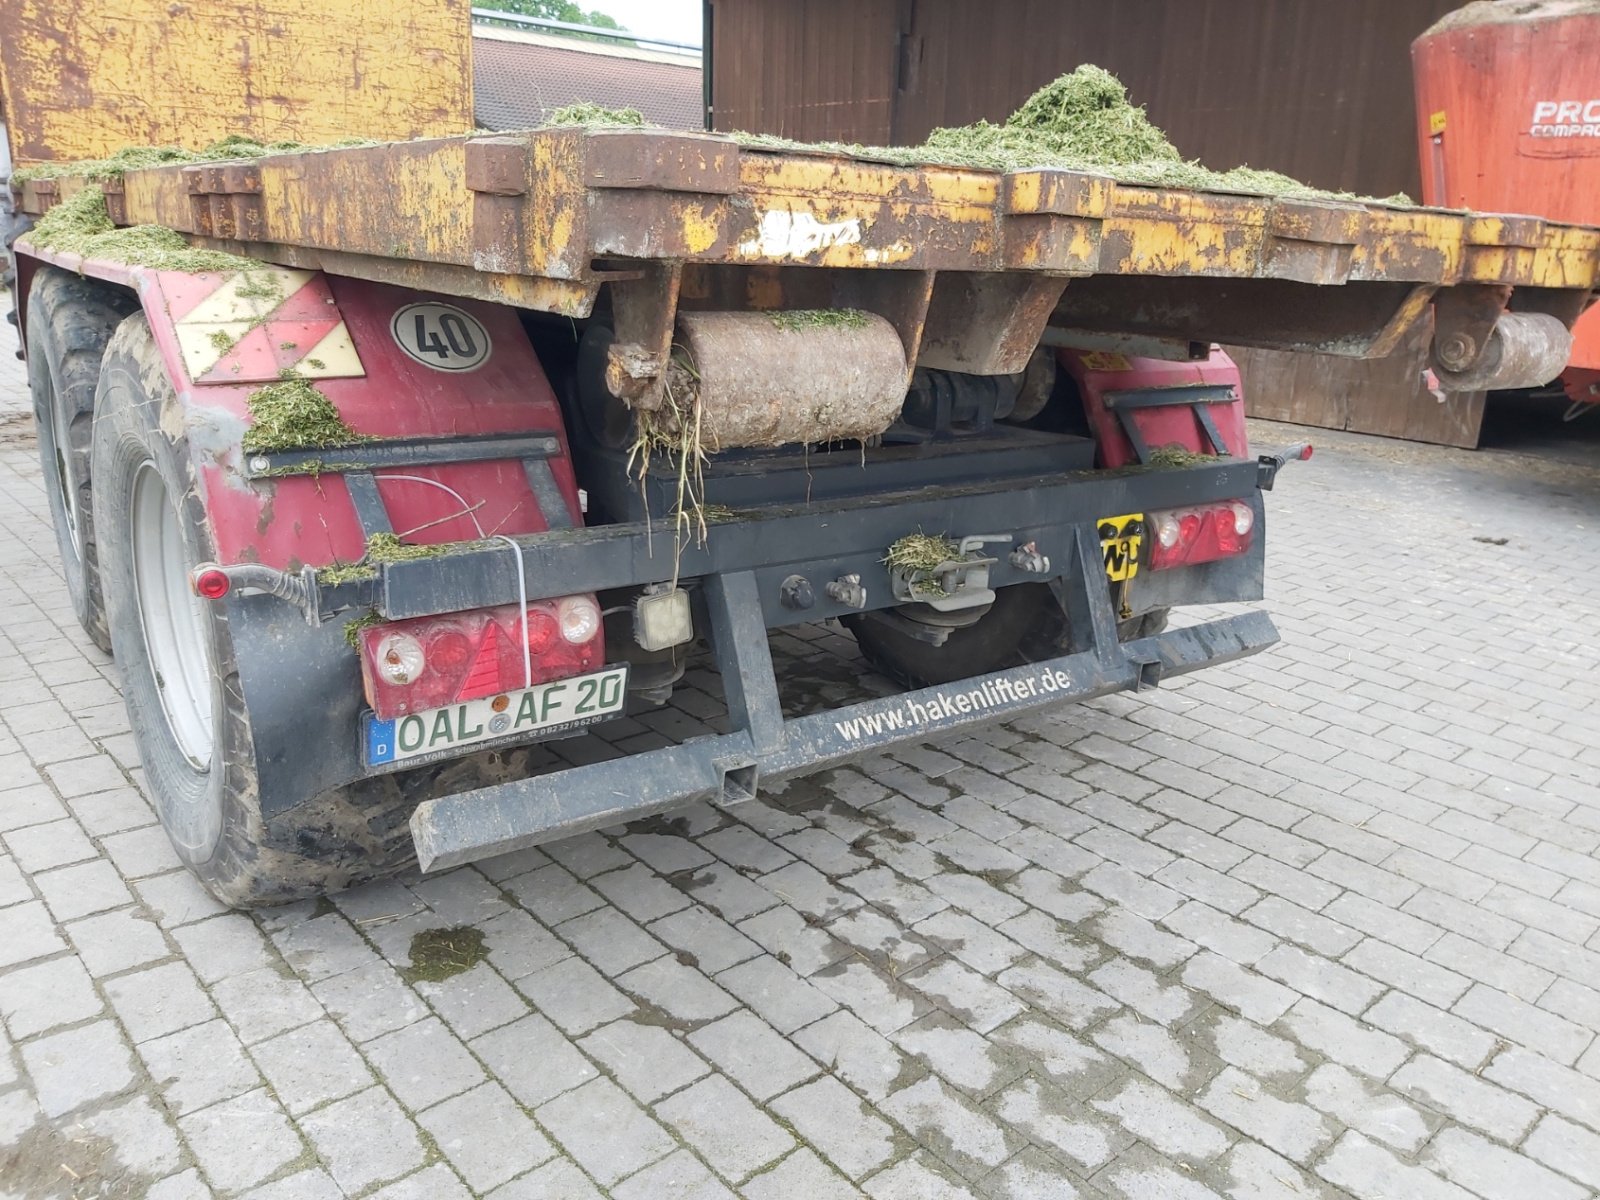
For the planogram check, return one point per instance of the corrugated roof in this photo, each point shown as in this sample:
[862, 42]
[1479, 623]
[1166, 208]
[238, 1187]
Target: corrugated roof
[520, 78]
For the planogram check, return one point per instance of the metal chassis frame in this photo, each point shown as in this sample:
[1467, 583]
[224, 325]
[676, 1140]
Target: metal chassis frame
[726, 768]
[846, 535]
[739, 572]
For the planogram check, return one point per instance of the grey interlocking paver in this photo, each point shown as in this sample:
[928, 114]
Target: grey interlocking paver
[533, 1059]
[1378, 1114]
[733, 1135]
[608, 1134]
[365, 1139]
[751, 1052]
[486, 1136]
[423, 1063]
[242, 1141]
[158, 1001]
[1292, 1129]
[115, 941]
[76, 1066]
[838, 1125]
[198, 1066]
[311, 1065]
[41, 997]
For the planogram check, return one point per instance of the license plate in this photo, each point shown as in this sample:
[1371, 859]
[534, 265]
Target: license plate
[436, 733]
[1120, 540]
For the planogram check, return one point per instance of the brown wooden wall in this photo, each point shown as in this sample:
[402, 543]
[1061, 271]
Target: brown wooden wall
[1319, 89]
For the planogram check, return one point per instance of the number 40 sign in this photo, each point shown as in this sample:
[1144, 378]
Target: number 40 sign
[441, 336]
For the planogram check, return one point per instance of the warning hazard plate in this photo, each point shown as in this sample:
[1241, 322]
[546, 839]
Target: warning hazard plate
[1121, 539]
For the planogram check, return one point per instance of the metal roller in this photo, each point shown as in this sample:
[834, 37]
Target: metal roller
[1523, 350]
[764, 382]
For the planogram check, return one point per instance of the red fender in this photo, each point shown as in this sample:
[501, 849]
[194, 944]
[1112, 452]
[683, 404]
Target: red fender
[343, 336]
[1097, 373]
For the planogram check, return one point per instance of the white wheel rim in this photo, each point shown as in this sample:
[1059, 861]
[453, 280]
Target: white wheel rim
[173, 622]
[61, 445]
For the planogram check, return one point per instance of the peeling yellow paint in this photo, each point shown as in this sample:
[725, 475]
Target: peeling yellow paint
[84, 78]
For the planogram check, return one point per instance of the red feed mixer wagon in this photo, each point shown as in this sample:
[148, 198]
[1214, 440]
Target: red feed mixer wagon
[1508, 107]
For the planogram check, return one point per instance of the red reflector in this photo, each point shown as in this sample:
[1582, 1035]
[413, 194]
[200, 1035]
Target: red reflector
[1184, 537]
[211, 583]
[436, 661]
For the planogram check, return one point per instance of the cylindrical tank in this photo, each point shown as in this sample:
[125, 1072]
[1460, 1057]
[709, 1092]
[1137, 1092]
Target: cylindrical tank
[1508, 108]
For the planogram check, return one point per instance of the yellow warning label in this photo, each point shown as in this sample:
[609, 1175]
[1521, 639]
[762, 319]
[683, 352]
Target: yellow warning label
[1436, 123]
[1105, 360]
[1120, 541]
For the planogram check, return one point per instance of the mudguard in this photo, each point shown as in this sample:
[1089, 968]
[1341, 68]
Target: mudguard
[224, 336]
[1101, 376]
[1204, 396]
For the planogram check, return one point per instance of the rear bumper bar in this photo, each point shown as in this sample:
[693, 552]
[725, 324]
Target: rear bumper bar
[764, 745]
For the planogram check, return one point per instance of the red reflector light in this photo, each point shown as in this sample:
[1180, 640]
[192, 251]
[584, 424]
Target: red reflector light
[429, 662]
[1184, 537]
[211, 583]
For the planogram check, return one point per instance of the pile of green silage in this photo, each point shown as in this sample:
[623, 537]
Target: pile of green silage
[1082, 121]
[232, 148]
[81, 225]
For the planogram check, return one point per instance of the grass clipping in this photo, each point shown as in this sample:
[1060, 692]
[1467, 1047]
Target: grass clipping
[1082, 121]
[916, 555]
[1175, 455]
[597, 116]
[293, 415]
[81, 225]
[674, 429]
[439, 954]
[233, 148]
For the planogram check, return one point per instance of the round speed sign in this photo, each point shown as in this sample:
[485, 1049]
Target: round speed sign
[441, 336]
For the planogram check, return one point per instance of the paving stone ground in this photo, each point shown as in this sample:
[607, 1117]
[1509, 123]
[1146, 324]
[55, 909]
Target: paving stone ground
[1323, 923]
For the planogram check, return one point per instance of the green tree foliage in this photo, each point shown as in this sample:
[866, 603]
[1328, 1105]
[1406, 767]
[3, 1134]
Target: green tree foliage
[554, 10]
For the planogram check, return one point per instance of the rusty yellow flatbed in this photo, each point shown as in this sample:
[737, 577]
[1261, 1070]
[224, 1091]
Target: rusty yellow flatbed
[969, 264]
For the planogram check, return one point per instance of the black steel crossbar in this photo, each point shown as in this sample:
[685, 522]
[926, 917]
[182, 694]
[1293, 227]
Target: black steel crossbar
[850, 534]
[726, 768]
[401, 452]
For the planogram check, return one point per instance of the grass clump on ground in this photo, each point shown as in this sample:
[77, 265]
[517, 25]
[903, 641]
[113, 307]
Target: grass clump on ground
[439, 954]
[81, 225]
[293, 415]
[596, 116]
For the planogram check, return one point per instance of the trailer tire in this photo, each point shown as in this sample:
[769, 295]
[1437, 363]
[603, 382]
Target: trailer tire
[180, 678]
[1025, 625]
[70, 320]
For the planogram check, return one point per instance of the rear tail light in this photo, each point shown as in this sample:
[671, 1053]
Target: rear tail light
[579, 618]
[1202, 534]
[398, 659]
[429, 662]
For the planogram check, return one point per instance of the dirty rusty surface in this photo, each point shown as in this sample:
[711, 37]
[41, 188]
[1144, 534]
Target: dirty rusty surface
[1321, 924]
[563, 210]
